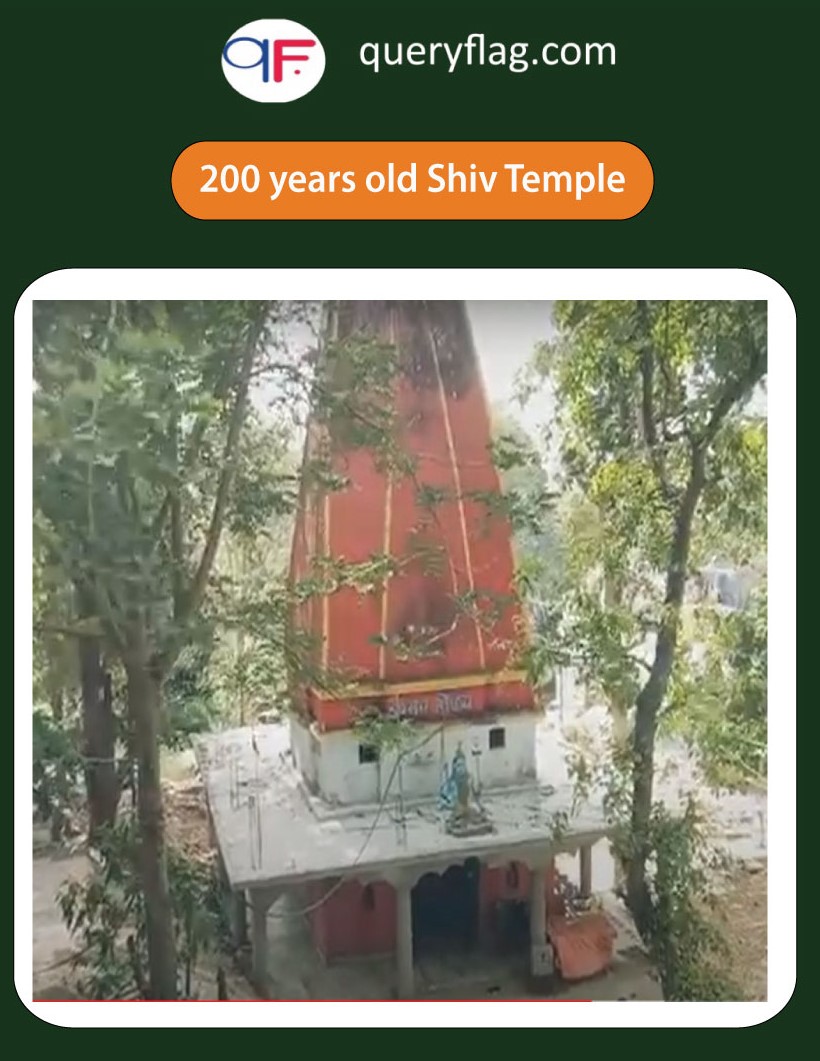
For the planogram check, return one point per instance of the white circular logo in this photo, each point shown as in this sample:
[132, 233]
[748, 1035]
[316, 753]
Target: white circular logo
[273, 60]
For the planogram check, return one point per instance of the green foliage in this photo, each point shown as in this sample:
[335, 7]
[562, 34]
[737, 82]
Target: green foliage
[191, 706]
[681, 933]
[140, 464]
[661, 456]
[719, 701]
[265, 488]
[249, 666]
[528, 501]
[684, 940]
[105, 913]
[352, 400]
[639, 387]
[56, 766]
[55, 666]
[147, 452]
[735, 520]
[386, 734]
[139, 453]
[148, 457]
[600, 368]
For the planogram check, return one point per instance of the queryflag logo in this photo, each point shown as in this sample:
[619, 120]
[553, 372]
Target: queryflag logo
[273, 60]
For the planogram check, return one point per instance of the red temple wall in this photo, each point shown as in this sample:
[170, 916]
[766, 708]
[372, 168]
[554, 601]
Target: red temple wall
[356, 920]
[353, 924]
[355, 533]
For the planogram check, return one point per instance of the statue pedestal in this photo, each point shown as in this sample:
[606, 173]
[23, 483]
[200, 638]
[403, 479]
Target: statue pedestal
[475, 824]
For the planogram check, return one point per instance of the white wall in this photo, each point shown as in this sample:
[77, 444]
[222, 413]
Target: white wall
[341, 778]
[304, 746]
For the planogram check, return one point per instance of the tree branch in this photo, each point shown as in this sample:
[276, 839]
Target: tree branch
[126, 491]
[220, 392]
[737, 389]
[177, 542]
[60, 630]
[194, 595]
[159, 520]
[648, 405]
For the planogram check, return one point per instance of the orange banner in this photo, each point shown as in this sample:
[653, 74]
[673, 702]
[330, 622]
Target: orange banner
[412, 180]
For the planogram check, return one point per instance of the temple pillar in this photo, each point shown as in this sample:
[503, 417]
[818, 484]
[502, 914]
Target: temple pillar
[540, 951]
[405, 975]
[261, 900]
[585, 870]
[239, 919]
[234, 904]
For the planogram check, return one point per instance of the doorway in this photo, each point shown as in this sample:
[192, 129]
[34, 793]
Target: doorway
[446, 909]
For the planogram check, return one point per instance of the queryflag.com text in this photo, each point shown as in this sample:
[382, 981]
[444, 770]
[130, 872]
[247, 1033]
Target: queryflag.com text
[476, 50]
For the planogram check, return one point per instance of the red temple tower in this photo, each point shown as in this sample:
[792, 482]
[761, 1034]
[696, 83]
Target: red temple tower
[440, 637]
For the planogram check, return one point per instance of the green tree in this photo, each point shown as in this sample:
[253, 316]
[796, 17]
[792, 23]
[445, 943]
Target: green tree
[658, 449]
[139, 414]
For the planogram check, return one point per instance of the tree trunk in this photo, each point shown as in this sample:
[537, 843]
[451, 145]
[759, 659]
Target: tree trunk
[101, 782]
[57, 812]
[102, 785]
[651, 697]
[144, 707]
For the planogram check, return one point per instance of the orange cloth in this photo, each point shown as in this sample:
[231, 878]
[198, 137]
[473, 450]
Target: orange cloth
[583, 947]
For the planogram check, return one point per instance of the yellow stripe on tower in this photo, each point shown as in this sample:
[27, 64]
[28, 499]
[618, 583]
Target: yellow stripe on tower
[457, 479]
[326, 595]
[388, 521]
[423, 685]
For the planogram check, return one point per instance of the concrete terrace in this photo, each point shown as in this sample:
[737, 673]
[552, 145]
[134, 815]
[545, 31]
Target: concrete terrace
[271, 831]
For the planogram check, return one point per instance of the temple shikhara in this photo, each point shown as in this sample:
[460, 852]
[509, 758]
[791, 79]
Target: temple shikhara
[440, 639]
[401, 805]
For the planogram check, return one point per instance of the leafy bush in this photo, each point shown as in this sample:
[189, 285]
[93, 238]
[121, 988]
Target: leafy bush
[190, 704]
[106, 914]
[56, 769]
[684, 941]
[680, 931]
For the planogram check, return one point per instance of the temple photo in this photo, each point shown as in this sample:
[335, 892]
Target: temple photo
[400, 650]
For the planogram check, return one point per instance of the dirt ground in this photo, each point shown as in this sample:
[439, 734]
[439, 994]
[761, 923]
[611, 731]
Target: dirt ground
[741, 914]
[186, 818]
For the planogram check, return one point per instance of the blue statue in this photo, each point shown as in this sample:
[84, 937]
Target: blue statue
[447, 789]
[455, 782]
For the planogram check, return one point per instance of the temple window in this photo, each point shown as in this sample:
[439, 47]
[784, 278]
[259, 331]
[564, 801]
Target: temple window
[498, 737]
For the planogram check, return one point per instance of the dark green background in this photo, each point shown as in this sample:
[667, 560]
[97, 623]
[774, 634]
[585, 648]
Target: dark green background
[718, 95]
[721, 96]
